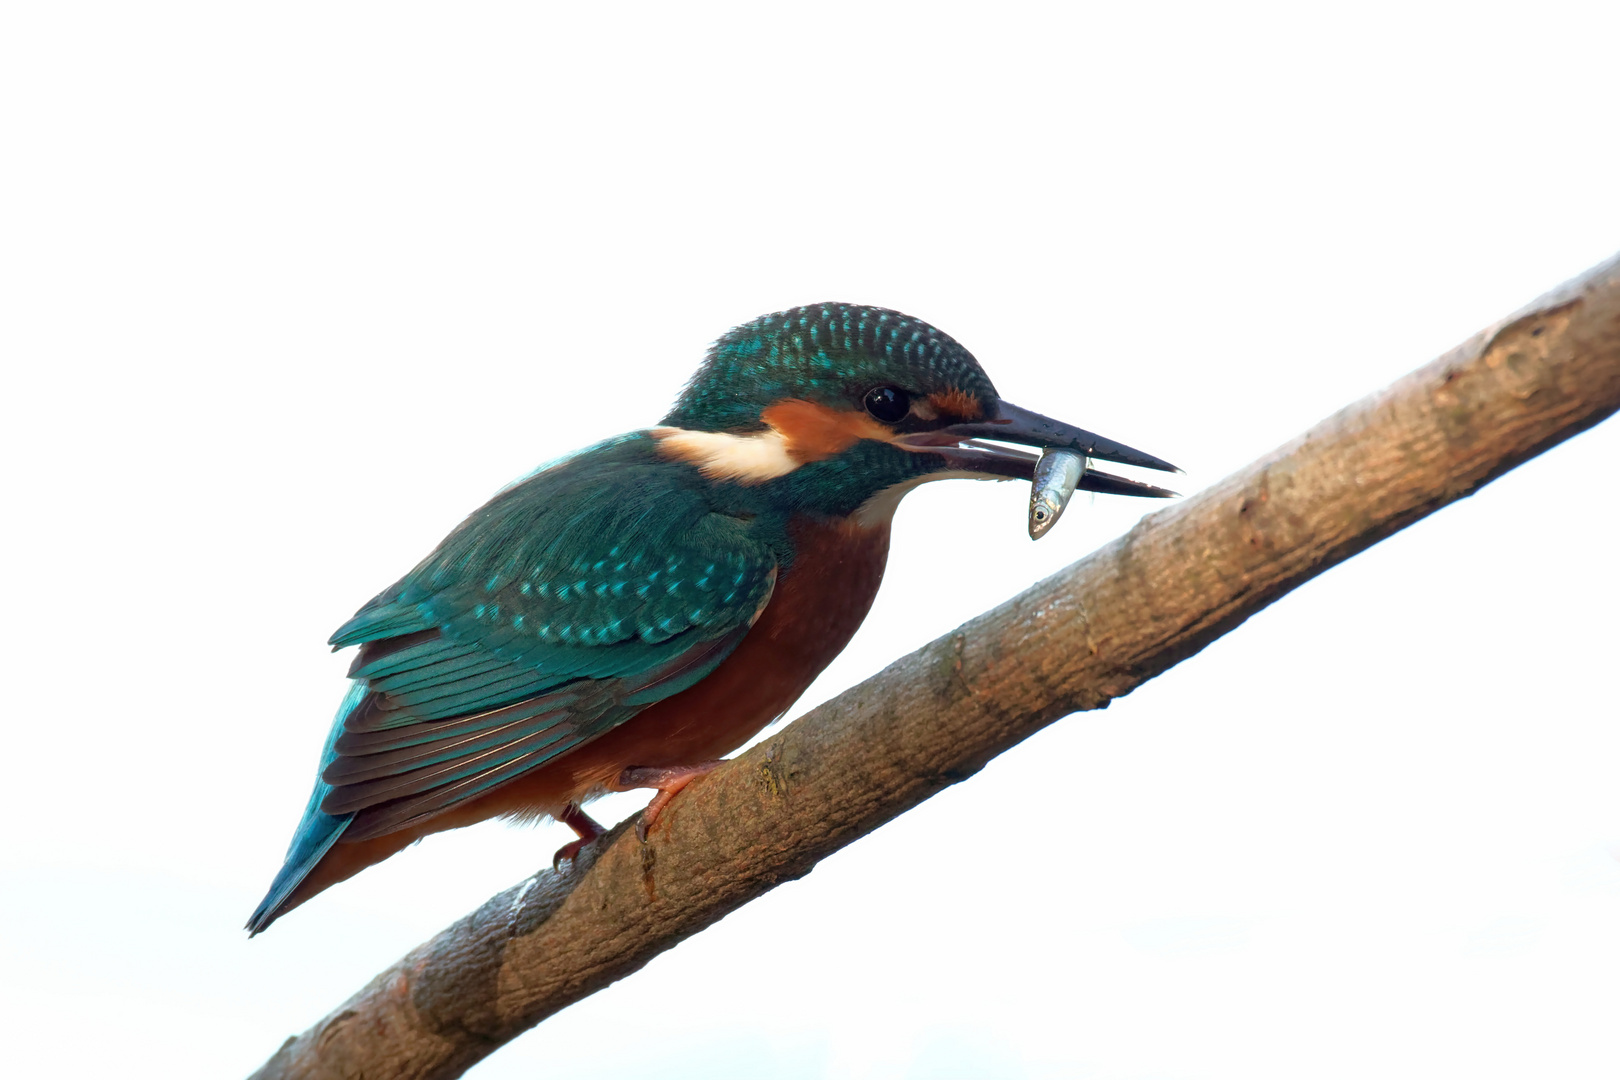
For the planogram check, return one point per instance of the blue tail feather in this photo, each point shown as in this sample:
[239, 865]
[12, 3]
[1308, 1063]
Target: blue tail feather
[316, 832]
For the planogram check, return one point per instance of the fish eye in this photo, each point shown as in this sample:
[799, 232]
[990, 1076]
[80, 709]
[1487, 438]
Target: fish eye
[888, 403]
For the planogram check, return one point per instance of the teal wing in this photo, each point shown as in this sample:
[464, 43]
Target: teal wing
[558, 611]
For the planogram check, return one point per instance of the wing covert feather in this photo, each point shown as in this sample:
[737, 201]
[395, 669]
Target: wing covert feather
[557, 611]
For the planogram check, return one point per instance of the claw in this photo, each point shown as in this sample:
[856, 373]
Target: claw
[669, 780]
[582, 823]
[569, 851]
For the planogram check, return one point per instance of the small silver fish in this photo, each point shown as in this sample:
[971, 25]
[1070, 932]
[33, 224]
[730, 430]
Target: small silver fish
[1057, 474]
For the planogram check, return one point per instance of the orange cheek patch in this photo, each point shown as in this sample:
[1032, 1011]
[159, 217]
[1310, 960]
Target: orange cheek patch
[958, 403]
[815, 432]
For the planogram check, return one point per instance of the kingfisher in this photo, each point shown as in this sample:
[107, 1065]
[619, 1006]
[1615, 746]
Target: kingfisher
[625, 617]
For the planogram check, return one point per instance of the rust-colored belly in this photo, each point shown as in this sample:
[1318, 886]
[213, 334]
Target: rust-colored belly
[817, 606]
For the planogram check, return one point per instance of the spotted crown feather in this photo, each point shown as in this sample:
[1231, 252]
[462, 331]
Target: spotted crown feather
[830, 350]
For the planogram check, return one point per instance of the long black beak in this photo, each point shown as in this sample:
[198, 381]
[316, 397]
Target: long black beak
[959, 445]
[1013, 424]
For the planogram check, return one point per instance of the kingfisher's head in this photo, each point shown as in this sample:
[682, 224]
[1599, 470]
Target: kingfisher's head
[841, 409]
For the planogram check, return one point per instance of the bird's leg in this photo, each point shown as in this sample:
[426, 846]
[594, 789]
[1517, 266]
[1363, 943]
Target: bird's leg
[582, 823]
[669, 780]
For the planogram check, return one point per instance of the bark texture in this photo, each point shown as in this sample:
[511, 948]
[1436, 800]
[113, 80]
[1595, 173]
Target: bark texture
[1079, 639]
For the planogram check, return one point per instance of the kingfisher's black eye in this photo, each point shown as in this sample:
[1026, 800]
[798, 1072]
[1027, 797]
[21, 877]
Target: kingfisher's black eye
[888, 403]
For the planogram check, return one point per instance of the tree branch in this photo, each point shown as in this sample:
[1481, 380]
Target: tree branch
[1079, 639]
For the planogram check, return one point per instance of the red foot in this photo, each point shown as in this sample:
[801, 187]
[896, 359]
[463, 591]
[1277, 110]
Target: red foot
[669, 780]
[583, 824]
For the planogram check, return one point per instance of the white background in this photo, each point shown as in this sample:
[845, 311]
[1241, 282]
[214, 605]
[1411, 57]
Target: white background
[287, 289]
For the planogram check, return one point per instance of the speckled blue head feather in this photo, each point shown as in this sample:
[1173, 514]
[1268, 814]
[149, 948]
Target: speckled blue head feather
[830, 353]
